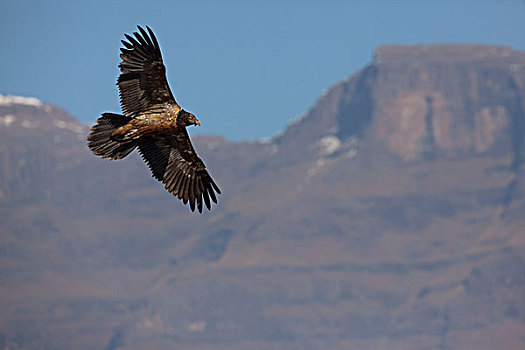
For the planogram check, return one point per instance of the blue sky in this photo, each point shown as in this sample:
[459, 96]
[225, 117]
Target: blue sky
[245, 68]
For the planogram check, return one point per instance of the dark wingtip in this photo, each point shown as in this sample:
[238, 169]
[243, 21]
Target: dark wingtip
[154, 40]
[131, 39]
[126, 44]
[142, 31]
[150, 31]
[217, 189]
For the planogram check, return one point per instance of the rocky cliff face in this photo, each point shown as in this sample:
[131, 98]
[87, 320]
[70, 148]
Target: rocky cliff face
[389, 215]
[421, 102]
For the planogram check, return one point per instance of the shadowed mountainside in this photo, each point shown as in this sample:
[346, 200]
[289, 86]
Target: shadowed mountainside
[390, 216]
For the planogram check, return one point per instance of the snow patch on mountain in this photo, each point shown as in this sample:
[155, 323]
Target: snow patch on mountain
[69, 126]
[329, 144]
[21, 100]
[6, 120]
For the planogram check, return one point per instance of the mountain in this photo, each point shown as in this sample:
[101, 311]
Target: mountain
[389, 216]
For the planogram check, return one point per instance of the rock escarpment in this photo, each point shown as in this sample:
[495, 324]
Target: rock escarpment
[422, 102]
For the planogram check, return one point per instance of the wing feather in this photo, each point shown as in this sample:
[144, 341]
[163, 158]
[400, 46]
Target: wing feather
[155, 156]
[154, 40]
[184, 189]
[127, 45]
[143, 85]
[212, 195]
[176, 179]
[191, 195]
[177, 184]
[215, 187]
[197, 194]
[199, 204]
[171, 177]
[172, 160]
[206, 197]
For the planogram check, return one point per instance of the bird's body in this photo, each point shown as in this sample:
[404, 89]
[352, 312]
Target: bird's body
[155, 123]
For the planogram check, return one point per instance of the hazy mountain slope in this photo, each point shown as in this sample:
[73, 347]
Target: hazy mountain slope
[390, 216]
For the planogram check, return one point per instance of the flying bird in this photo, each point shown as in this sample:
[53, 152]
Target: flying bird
[153, 122]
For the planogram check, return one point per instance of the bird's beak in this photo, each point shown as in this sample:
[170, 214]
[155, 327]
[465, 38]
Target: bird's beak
[198, 122]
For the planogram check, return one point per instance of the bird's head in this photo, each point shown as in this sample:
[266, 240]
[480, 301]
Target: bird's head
[187, 119]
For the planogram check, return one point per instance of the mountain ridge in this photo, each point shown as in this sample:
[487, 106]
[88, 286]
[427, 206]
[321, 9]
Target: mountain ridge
[332, 234]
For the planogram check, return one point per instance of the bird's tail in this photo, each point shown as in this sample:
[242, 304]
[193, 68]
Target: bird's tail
[100, 141]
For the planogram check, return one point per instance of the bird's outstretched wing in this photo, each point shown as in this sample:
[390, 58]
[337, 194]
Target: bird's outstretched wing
[173, 161]
[142, 83]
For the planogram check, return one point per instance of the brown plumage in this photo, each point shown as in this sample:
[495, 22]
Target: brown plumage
[155, 123]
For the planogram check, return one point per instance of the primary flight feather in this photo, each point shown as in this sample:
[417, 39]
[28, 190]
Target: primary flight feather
[154, 122]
